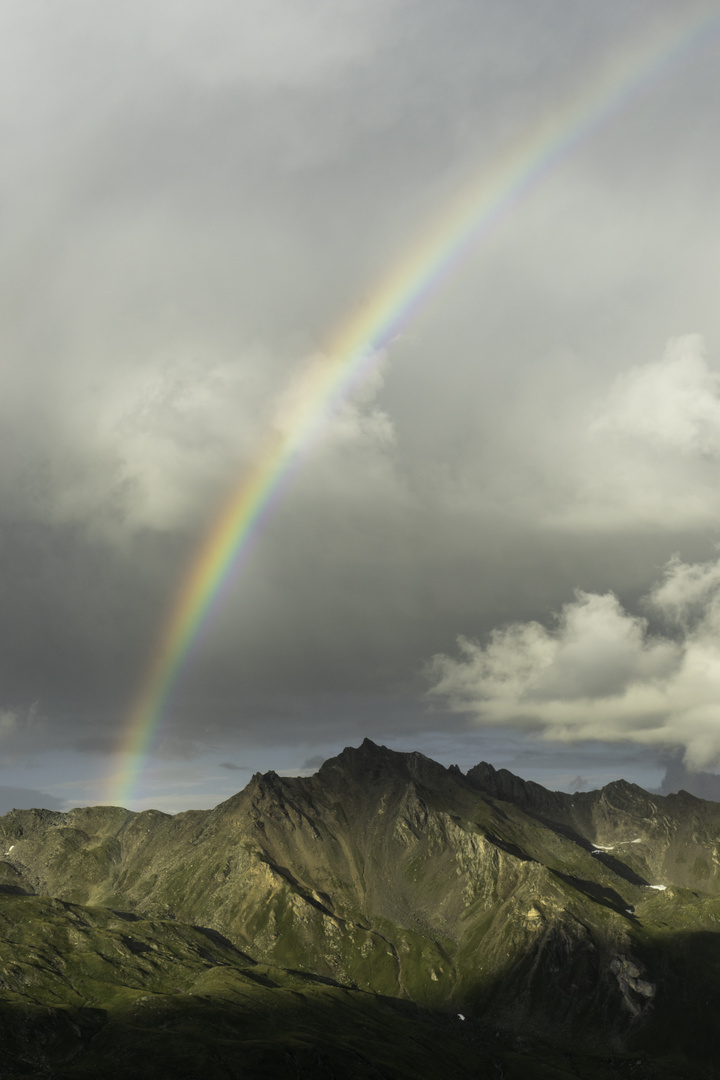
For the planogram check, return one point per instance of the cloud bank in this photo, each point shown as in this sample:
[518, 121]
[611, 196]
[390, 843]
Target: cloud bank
[600, 672]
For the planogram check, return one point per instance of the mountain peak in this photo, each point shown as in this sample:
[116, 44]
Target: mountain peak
[373, 762]
[625, 794]
[502, 784]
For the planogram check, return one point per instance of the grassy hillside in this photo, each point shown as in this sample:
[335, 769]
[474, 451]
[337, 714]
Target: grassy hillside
[341, 922]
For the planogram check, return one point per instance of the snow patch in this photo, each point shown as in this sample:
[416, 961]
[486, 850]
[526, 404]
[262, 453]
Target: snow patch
[599, 848]
[660, 888]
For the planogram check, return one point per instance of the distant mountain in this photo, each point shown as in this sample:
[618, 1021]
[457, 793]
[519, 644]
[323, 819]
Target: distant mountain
[386, 917]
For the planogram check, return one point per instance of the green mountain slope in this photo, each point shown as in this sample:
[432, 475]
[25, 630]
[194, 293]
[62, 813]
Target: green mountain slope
[413, 892]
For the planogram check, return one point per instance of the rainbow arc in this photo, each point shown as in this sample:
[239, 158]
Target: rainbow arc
[326, 382]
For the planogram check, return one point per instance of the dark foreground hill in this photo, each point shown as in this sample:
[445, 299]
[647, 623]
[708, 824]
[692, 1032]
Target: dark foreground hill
[386, 917]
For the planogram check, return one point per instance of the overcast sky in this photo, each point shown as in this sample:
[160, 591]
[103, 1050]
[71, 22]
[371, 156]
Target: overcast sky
[505, 546]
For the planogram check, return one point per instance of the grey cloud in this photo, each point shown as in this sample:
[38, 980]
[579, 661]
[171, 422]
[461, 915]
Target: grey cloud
[678, 777]
[20, 798]
[201, 196]
[314, 762]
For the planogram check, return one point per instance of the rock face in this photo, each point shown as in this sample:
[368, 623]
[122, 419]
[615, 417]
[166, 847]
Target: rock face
[534, 911]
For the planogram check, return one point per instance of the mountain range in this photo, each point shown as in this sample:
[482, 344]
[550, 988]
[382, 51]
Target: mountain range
[386, 917]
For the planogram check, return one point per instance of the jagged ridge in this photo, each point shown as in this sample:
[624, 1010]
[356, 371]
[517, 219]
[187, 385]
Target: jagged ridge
[389, 873]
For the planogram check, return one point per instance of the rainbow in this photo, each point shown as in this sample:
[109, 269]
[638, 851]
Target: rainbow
[327, 381]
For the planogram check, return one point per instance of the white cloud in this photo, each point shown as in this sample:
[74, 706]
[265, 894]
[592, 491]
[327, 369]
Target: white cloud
[8, 722]
[317, 403]
[20, 729]
[688, 594]
[159, 444]
[647, 452]
[599, 673]
[670, 405]
[140, 445]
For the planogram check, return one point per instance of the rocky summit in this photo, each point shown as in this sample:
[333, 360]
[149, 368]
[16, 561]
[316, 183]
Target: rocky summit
[386, 917]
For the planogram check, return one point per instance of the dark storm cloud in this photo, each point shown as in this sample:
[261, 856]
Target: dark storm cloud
[678, 777]
[313, 762]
